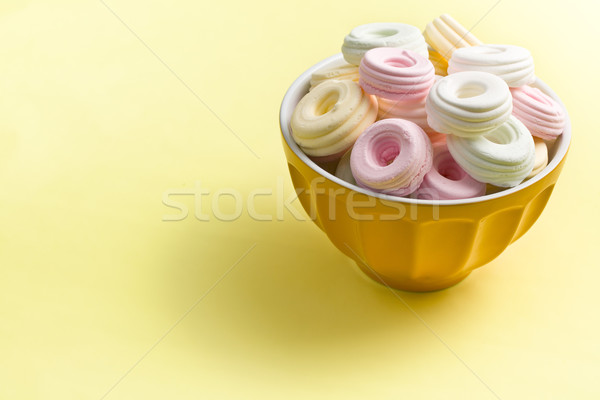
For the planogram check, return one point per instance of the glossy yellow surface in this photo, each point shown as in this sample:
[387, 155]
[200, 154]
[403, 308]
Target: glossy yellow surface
[102, 299]
[417, 247]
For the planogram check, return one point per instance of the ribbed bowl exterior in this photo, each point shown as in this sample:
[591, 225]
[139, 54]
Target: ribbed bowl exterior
[417, 247]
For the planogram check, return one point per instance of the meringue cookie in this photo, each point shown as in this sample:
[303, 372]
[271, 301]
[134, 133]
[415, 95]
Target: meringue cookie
[339, 72]
[541, 157]
[540, 113]
[503, 157]
[396, 74]
[513, 64]
[381, 34]
[445, 35]
[439, 63]
[329, 118]
[392, 156]
[343, 170]
[446, 180]
[468, 104]
[413, 111]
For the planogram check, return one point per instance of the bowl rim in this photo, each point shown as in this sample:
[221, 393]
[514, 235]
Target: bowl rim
[300, 87]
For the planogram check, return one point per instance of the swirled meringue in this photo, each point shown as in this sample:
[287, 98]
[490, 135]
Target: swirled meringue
[540, 113]
[468, 104]
[396, 74]
[382, 34]
[446, 180]
[503, 157]
[541, 157]
[329, 118]
[339, 72]
[446, 35]
[392, 156]
[513, 64]
[413, 111]
[439, 63]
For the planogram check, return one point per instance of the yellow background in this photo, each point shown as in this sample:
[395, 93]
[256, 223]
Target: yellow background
[101, 298]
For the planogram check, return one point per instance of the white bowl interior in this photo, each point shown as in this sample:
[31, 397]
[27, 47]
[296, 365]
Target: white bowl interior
[300, 87]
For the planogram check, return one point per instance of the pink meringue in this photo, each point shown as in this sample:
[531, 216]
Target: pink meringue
[391, 156]
[447, 180]
[396, 74]
[543, 116]
[413, 111]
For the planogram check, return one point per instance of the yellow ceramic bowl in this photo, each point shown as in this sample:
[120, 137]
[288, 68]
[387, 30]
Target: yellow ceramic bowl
[416, 245]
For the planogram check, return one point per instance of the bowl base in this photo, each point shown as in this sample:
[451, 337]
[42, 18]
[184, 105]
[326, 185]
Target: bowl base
[412, 285]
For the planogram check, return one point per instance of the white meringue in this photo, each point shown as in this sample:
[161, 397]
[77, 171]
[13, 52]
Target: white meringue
[343, 170]
[468, 104]
[382, 34]
[513, 64]
[503, 157]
